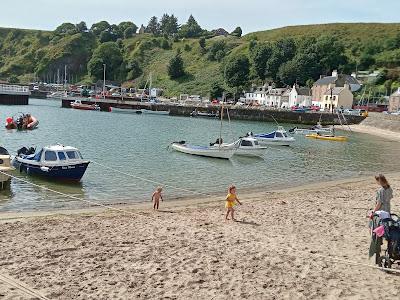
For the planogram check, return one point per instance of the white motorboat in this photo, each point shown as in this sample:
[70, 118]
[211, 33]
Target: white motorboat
[5, 168]
[316, 129]
[278, 137]
[214, 151]
[248, 146]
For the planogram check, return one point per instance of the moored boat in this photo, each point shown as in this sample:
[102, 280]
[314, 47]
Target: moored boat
[328, 137]
[54, 162]
[155, 112]
[5, 168]
[125, 110]
[77, 104]
[317, 129]
[249, 146]
[278, 137]
[213, 151]
[197, 113]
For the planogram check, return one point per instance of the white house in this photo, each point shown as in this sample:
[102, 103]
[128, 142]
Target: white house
[267, 96]
[300, 96]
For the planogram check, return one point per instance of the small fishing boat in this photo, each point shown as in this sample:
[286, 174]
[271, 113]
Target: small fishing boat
[54, 162]
[5, 168]
[278, 137]
[317, 129]
[125, 110]
[214, 151]
[327, 137]
[197, 113]
[77, 104]
[22, 121]
[155, 112]
[248, 146]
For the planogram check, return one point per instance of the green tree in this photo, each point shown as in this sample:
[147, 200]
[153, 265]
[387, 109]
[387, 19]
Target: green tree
[169, 25]
[153, 27]
[126, 29]
[191, 29]
[176, 67]
[388, 86]
[65, 29]
[237, 70]
[237, 32]
[107, 36]
[216, 90]
[202, 43]
[134, 69]
[81, 27]
[98, 28]
[107, 53]
[217, 47]
[260, 55]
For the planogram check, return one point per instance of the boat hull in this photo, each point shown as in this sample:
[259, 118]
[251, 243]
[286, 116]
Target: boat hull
[85, 107]
[328, 138]
[155, 112]
[223, 153]
[275, 141]
[256, 152]
[72, 172]
[312, 131]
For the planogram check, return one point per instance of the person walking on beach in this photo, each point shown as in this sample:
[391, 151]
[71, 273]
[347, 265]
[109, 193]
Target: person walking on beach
[231, 200]
[383, 195]
[156, 197]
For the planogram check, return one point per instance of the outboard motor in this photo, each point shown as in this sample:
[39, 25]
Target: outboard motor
[26, 151]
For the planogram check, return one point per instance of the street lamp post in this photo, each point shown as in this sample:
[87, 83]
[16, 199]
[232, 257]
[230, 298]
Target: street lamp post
[104, 81]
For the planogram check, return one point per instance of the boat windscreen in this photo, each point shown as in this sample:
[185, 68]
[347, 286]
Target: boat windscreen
[38, 155]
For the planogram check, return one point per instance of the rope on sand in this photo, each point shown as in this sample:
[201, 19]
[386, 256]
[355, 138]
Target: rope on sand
[151, 181]
[22, 287]
[68, 196]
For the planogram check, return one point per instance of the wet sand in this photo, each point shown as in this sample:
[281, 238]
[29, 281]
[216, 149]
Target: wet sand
[279, 249]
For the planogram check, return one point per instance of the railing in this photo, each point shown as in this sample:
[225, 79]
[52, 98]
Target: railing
[7, 88]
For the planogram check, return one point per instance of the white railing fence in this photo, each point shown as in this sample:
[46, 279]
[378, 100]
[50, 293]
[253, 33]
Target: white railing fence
[7, 88]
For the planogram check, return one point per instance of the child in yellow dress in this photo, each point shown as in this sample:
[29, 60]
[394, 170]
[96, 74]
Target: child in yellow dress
[231, 200]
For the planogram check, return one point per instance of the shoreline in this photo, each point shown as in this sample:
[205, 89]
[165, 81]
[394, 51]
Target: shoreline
[184, 202]
[383, 133]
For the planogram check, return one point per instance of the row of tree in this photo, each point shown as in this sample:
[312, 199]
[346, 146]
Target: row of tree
[169, 26]
[103, 30]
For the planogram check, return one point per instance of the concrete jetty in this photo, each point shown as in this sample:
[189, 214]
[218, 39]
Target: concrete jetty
[14, 94]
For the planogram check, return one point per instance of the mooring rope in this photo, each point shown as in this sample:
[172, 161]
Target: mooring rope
[152, 181]
[22, 287]
[67, 195]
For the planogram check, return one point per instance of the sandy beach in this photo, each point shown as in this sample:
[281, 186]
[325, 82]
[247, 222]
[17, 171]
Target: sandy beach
[280, 249]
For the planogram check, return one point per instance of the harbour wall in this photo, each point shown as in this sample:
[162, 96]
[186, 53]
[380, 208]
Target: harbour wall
[14, 94]
[235, 113]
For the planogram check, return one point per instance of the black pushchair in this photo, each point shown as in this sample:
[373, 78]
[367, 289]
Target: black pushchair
[392, 235]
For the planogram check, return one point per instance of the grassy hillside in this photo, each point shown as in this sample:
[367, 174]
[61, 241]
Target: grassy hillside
[25, 54]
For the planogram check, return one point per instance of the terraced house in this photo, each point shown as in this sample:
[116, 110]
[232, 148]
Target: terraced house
[323, 87]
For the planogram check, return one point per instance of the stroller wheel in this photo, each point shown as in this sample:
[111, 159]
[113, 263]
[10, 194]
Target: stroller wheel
[386, 263]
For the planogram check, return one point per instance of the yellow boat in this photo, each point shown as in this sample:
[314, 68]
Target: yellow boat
[327, 137]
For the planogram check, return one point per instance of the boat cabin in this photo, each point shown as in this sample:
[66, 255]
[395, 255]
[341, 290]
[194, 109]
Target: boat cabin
[56, 154]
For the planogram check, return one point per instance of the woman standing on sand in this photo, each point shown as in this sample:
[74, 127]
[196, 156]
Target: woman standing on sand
[383, 195]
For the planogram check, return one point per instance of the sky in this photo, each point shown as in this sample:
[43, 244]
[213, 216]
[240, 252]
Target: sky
[250, 15]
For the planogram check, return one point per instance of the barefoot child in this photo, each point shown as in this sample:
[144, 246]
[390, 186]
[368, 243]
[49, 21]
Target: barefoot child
[156, 197]
[231, 200]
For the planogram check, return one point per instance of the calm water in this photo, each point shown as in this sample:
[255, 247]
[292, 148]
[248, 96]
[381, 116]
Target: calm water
[137, 144]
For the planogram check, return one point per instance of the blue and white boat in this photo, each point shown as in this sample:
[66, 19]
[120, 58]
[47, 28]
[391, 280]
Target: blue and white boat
[278, 137]
[55, 162]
